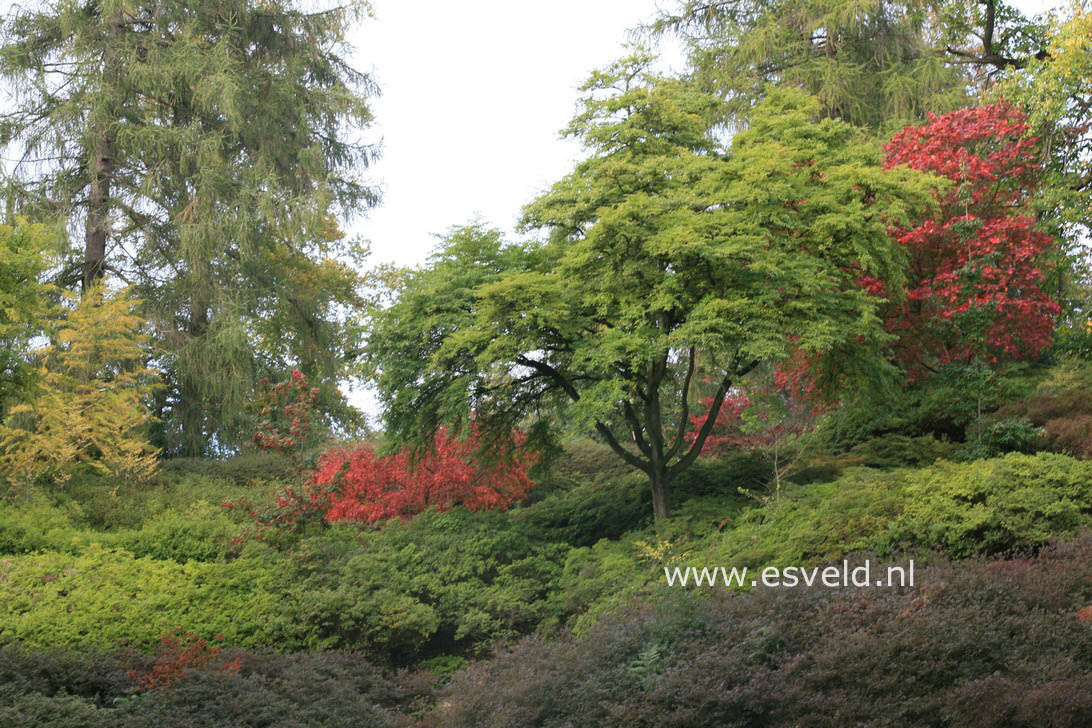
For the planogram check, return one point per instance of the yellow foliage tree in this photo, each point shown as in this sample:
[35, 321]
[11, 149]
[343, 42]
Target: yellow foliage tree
[90, 407]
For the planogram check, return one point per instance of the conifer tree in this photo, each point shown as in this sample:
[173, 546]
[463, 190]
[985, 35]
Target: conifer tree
[876, 63]
[203, 151]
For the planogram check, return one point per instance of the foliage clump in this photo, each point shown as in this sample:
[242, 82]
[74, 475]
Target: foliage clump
[984, 643]
[90, 408]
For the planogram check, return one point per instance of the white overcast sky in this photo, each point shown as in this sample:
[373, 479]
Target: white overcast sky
[474, 94]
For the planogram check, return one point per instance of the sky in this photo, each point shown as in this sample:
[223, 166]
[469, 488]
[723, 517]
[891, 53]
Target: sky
[474, 95]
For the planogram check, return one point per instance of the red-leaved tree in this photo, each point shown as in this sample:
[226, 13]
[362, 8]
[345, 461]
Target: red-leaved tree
[365, 486]
[977, 266]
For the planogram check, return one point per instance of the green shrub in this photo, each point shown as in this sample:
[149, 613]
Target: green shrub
[591, 510]
[31, 523]
[991, 506]
[442, 583]
[1012, 434]
[811, 524]
[106, 597]
[203, 533]
[900, 451]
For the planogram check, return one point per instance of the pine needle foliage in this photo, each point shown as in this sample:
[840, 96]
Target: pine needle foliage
[204, 150]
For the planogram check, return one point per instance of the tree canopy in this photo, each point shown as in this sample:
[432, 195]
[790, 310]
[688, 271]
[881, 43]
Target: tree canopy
[203, 152]
[874, 63]
[659, 248]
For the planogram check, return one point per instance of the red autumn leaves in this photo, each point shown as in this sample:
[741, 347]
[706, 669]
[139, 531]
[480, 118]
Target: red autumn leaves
[976, 270]
[369, 487]
[355, 483]
[976, 274]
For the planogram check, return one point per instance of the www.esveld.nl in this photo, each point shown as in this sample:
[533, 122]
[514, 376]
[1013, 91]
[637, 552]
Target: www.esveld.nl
[792, 576]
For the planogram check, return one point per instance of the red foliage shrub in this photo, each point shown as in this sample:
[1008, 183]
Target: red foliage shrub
[181, 652]
[367, 487]
[287, 410]
[976, 267]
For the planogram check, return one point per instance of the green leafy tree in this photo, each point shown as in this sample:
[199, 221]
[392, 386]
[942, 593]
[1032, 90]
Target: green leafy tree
[25, 303]
[659, 249]
[1055, 91]
[90, 408]
[202, 151]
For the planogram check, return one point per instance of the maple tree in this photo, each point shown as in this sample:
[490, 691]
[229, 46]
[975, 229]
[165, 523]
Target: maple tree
[664, 246]
[978, 264]
[369, 487]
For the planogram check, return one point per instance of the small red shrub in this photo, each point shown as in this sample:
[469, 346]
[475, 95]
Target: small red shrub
[364, 486]
[179, 652]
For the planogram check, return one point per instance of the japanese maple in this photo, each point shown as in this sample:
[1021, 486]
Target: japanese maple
[368, 487]
[976, 266]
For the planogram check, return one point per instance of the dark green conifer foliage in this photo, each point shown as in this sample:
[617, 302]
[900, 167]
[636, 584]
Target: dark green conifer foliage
[202, 151]
[874, 63]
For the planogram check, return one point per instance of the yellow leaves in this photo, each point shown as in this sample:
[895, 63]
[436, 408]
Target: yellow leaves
[662, 552]
[90, 409]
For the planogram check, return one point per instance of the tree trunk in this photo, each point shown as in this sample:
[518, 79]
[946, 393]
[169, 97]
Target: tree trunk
[661, 504]
[101, 166]
[191, 404]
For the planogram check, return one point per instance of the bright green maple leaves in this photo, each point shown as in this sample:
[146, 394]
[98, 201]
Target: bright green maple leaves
[663, 252]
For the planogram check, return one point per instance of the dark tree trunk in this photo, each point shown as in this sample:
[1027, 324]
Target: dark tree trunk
[661, 504]
[101, 167]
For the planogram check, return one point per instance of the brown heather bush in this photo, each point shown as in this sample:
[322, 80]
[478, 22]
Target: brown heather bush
[976, 643]
[1062, 405]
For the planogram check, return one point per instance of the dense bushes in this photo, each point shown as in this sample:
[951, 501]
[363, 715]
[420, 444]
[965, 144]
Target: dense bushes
[992, 506]
[442, 582]
[106, 597]
[591, 510]
[89, 690]
[986, 643]
[989, 506]
[1062, 406]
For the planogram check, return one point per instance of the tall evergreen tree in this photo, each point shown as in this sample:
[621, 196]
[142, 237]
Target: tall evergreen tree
[202, 151]
[873, 63]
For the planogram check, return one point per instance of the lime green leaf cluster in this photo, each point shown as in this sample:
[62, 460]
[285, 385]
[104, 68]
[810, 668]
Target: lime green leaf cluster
[105, 598]
[91, 407]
